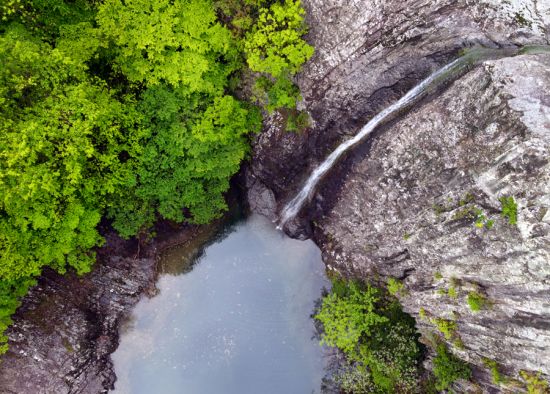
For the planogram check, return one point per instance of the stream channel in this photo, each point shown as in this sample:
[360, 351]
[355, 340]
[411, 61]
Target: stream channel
[231, 317]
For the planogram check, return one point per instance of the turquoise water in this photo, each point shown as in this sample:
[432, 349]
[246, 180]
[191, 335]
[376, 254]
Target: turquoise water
[238, 322]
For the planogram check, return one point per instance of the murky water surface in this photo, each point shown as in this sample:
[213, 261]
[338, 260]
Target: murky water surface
[237, 323]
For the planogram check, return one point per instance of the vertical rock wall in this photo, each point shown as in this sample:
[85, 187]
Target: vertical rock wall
[405, 204]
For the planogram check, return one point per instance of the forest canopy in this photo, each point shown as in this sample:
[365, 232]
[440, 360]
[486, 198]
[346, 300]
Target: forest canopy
[126, 111]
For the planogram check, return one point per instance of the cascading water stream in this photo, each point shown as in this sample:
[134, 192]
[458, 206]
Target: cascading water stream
[295, 205]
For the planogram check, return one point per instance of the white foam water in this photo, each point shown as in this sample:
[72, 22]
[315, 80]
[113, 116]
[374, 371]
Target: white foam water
[296, 204]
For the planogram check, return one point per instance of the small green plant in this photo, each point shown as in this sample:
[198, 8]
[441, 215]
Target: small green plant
[482, 220]
[476, 301]
[448, 368]
[495, 373]
[535, 384]
[297, 121]
[438, 209]
[395, 287]
[521, 20]
[406, 236]
[458, 343]
[438, 276]
[509, 209]
[446, 327]
[422, 313]
[452, 292]
[464, 213]
[472, 213]
[468, 198]
[67, 345]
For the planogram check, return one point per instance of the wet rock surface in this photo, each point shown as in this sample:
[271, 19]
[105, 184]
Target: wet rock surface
[405, 203]
[67, 327]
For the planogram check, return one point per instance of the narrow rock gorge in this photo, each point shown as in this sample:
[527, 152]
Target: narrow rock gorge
[411, 202]
[420, 201]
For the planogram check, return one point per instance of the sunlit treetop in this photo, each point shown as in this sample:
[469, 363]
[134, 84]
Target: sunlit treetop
[275, 45]
[169, 41]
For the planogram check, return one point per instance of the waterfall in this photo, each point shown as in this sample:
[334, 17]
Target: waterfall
[295, 205]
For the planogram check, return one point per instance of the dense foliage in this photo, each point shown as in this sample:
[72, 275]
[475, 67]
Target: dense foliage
[123, 110]
[274, 45]
[379, 340]
[274, 48]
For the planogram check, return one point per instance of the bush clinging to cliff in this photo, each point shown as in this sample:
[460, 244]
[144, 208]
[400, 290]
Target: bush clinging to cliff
[448, 368]
[379, 340]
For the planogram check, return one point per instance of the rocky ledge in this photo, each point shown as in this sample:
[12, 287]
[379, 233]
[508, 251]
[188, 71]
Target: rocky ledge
[67, 327]
[420, 200]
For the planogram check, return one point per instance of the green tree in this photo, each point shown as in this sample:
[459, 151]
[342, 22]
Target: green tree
[346, 319]
[44, 18]
[196, 134]
[187, 160]
[61, 139]
[275, 45]
[379, 340]
[114, 108]
[176, 42]
[45, 216]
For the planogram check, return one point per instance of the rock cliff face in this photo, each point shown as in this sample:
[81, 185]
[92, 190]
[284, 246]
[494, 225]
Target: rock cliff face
[405, 203]
[368, 53]
[408, 209]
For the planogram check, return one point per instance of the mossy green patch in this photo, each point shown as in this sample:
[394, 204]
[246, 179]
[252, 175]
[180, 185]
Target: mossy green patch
[509, 209]
[448, 368]
[476, 301]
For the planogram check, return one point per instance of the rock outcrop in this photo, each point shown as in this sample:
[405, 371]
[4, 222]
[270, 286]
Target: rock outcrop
[368, 54]
[419, 201]
[67, 327]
